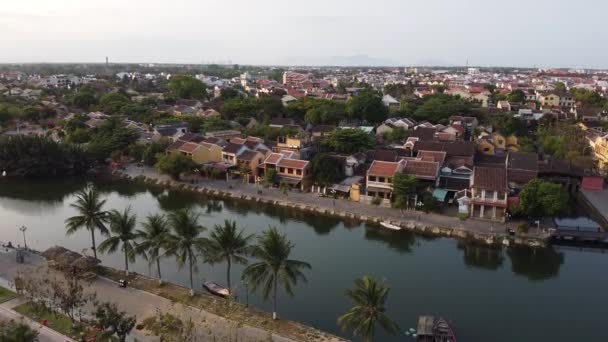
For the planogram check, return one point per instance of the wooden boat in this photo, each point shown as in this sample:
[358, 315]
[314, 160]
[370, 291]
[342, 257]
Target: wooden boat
[389, 225]
[506, 242]
[431, 329]
[216, 289]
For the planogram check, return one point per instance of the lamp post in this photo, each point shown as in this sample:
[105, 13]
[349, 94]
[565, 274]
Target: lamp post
[23, 229]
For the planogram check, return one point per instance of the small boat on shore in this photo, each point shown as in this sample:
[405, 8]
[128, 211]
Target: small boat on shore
[432, 329]
[216, 289]
[389, 225]
[506, 242]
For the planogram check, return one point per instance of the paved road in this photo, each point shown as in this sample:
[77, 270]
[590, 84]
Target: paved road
[208, 326]
[311, 199]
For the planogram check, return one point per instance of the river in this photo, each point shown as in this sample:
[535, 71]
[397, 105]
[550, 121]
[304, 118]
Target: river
[489, 294]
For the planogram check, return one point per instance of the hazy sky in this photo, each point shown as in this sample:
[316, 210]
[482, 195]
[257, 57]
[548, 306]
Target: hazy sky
[542, 33]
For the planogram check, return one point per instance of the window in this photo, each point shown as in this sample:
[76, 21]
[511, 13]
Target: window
[299, 172]
[282, 169]
[389, 180]
[371, 194]
[381, 179]
[290, 171]
[489, 194]
[372, 178]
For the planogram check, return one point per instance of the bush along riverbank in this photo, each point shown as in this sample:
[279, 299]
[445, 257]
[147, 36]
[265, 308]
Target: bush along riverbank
[493, 238]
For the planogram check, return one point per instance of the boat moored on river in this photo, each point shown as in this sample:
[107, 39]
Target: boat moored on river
[389, 225]
[216, 289]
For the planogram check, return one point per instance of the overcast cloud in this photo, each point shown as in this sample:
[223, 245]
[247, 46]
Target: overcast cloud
[539, 33]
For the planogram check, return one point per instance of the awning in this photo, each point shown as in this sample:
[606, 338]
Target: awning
[440, 194]
[290, 181]
[340, 188]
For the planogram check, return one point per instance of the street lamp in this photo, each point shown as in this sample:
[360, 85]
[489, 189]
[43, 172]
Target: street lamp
[23, 229]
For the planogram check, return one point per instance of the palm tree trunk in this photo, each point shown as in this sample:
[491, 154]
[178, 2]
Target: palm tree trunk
[191, 281]
[160, 277]
[228, 274]
[274, 297]
[126, 262]
[93, 241]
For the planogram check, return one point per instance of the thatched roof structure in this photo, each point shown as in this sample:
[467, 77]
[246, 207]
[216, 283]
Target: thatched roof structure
[61, 256]
[85, 262]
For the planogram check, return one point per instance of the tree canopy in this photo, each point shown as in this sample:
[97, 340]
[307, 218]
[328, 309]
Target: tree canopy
[33, 156]
[174, 164]
[326, 169]
[439, 107]
[186, 87]
[349, 141]
[403, 187]
[367, 106]
[540, 198]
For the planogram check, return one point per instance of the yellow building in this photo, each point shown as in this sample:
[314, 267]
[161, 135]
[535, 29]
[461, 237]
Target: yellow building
[201, 153]
[497, 143]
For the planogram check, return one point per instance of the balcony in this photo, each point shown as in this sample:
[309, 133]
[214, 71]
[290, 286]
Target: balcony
[383, 185]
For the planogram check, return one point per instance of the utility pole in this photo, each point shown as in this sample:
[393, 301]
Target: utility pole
[23, 229]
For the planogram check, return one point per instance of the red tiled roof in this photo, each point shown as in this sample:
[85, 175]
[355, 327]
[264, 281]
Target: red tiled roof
[273, 158]
[382, 168]
[490, 178]
[422, 169]
[189, 147]
[436, 156]
[293, 163]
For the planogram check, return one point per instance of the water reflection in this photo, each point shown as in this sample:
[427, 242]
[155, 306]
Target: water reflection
[483, 257]
[535, 263]
[170, 200]
[40, 190]
[123, 187]
[400, 241]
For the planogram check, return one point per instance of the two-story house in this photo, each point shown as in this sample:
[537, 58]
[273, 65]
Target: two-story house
[489, 193]
[291, 171]
[231, 152]
[379, 180]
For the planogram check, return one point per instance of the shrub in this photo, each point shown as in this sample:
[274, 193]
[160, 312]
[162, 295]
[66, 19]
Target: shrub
[463, 216]
[523, 227]
[376, 201]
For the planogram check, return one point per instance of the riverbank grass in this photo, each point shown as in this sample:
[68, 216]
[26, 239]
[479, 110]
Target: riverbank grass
[56, 321]
[6, 294]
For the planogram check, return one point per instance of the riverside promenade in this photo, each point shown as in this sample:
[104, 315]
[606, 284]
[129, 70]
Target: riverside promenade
[143, 304]
[430, 223]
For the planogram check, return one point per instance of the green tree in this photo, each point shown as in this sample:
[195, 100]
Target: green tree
[349, 141]
[185, 242]
[439, 107]
[17, 331]
[122, 235]
[540, 198]
[517, 95]
[174, 164]
[187, 87]
[560, 87]
[83, 99]
[153, 240]
[90, 215]
[112, 103]
[271, 177]
[274, 266]
[367, 106]
[326, 170]
[113, 321]
[398, 134]
[368, 310]
[227, 244]
[403, 187]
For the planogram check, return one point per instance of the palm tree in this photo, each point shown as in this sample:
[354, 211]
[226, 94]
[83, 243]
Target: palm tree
[185, 242]
[122, 229]
[90, 215]
[368, 310]
[153, 239]
[273, 250]
[227, 244]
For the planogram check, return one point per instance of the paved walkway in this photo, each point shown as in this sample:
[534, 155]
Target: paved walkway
[402, 217]
[208, 326]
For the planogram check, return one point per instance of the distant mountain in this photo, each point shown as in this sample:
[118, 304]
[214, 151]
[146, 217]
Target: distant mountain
[350, 61]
